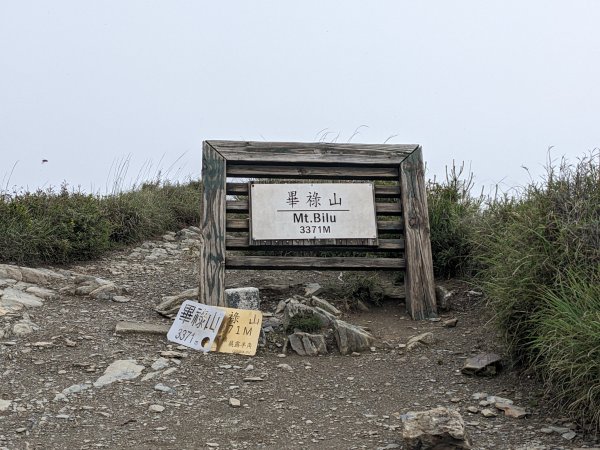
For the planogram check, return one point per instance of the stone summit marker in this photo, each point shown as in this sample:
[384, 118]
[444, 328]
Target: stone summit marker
[312, 211]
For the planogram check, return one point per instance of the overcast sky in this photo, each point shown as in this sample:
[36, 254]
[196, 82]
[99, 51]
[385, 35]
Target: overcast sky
[88, 85]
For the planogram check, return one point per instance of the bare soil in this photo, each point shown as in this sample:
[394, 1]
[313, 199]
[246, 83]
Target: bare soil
[333, 401]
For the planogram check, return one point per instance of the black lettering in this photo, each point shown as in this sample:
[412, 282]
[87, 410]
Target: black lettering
[298, 218]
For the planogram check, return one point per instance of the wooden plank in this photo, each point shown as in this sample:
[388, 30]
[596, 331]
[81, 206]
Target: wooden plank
[212, 223]
[319, 152]
[241, 189]
[242, 243]
[383, 209]
[304, 263]
[336, 172]
[390, 225]
[382, 225]
[420, 285]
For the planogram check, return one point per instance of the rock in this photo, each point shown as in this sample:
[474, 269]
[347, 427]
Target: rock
[351, 338]
[242, 298]
[294, 308]
[361, 306]
[253, 379]
[121, 299]
[311, 289]
[513, 411]
[450, 323]
[473, 409]
[160, 363]
[439, 428]
[163, 388]
[43, 293]
[10, 272]
[39, 276]
[173, 354]
[483, 364]
[140, 327]
[285, 367]
[234, 402]
[4, 405]
[24, 327]
[488, 413]
[443, 298]
[325, 305]
[421, 339]
[306, 344]
[569, 436]
[105, 292]
[11, 296]
[122, 369]
[156, 408]
[170, 304]
[495, 399]
[75, 389]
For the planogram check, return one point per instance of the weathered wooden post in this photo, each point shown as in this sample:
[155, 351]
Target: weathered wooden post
[420, 284]
[212, 253]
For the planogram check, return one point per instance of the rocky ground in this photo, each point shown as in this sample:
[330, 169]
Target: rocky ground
[69, 380]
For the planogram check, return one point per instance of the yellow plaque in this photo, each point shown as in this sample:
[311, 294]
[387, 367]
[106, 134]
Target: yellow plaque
[239, 332]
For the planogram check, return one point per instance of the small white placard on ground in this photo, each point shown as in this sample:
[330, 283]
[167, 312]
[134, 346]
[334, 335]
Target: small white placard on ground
[312, 211]
[196, 325]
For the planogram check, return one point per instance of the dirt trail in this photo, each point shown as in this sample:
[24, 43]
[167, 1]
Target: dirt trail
[333, 401]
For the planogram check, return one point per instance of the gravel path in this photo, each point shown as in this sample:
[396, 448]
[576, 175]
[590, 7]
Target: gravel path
[184, 399]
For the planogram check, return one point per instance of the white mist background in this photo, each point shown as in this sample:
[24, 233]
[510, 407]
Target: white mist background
[126, 91]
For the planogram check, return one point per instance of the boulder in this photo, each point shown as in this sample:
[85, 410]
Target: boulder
[436, 429]
[443, 298]
[325, 305]
[306, 344]
[242, 298]
[419, 340]
[11, 296]
[351, 338]
[294, 308]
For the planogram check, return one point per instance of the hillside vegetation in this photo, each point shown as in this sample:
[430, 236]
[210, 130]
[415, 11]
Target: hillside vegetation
[536, 254]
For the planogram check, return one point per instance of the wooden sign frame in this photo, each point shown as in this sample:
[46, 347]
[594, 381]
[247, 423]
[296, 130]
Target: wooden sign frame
[400, 164]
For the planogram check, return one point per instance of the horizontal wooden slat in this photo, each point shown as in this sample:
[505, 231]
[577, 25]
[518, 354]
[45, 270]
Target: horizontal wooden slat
[314, 172]
[384, 209]
[242, 243]
[380, 191]
[301, 263]
[317, 152]
[382, 225]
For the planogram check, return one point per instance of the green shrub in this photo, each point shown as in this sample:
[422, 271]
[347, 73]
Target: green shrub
[365, 288]
[49, 227]
[567, 344]
[540, 267]
[307, 324]
[60, 227]
[452, 211]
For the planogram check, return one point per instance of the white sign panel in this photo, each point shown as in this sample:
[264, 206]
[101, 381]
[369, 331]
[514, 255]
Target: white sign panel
[196, 325]
[313, 211]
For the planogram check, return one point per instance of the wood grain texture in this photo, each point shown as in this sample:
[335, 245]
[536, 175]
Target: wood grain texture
[387, 226]
[311, 171]
[419, 281]
[339, 245]
[339, 154]
[212, 258]
[301, 263]
[380, 191]
[382, 209]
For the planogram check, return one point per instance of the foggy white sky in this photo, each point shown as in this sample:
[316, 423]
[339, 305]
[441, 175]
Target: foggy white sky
[89, 84]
